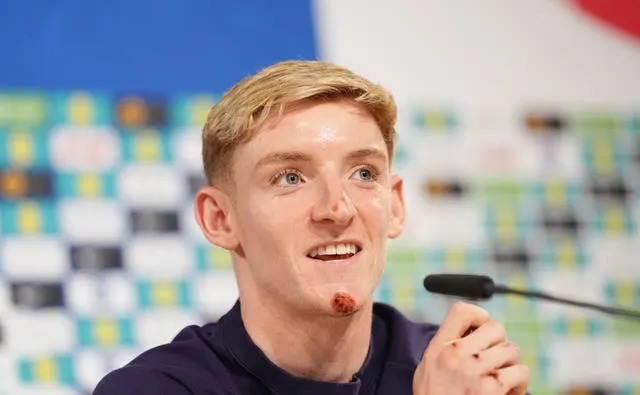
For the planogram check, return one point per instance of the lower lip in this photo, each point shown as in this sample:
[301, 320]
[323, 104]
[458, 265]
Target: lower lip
[338, 262]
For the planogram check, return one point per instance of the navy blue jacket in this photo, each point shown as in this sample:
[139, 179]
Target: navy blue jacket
[220, 358]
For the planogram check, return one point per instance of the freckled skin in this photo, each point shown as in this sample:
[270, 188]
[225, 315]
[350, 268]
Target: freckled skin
[343, 303]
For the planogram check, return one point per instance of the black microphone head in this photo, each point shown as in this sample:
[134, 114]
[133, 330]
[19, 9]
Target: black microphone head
[464, 285]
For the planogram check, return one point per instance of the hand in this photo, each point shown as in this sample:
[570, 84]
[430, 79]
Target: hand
[482, 362]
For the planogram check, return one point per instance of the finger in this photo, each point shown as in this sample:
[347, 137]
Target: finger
[514, 379]
[494, 358]
[487, 335]
[458, 321]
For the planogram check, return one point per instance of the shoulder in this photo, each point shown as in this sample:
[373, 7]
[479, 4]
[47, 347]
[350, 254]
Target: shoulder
[139, 380]
[407, 340]
[191, 362]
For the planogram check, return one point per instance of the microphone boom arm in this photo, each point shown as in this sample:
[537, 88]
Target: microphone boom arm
[481, 287]
[541, 295]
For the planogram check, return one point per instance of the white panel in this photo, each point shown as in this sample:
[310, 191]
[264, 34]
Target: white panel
[34, 258]
[111, 294]
[613, 362]
[120, 294]
[158, 257]
[90, 367]
[8, 374]
[444, 222]
[5, 299]
[188, 146]
[190, 225]
[501, 53]
[500, 153]
[158, 327]
[122, 357]
[564, 156]
[24, 333]
[615, 257]
[586, 286]
[442, 155]
[86, 221]
[82, 294]
[152, 186]
[216, 293]
[84, 148]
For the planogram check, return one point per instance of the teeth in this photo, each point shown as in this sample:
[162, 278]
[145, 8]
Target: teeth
[335, 249]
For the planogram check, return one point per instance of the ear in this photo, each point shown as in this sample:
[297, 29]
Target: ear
[396, 225]
[214, 214]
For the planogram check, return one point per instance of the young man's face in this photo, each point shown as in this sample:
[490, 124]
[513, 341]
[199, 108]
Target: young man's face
[314, 206]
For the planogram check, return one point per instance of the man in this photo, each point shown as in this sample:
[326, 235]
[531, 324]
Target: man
[298, 161]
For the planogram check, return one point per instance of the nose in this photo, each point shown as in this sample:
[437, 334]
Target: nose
[333, 205]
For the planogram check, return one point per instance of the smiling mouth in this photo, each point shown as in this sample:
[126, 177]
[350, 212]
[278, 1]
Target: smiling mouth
[335, 252]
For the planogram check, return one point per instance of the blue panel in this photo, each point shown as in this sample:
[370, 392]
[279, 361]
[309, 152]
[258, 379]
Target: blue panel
[157, 46]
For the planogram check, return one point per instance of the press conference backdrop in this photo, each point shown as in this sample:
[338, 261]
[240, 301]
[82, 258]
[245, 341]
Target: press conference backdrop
[519, 140]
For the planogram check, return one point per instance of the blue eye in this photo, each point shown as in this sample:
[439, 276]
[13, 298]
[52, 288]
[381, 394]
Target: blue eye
[287, 178]
[292, 178]
[364, 174]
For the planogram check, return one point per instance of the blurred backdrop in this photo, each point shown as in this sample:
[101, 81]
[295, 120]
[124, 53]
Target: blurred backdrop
[519, 142]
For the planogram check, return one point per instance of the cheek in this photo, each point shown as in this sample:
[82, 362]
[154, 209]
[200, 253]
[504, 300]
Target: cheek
[271, 221]
[253, 223]
[375, 209]
[277, 213]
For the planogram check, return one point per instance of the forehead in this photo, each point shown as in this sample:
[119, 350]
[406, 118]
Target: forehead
[319, 131]
[316, 124]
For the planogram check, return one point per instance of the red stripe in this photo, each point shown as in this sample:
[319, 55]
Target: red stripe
[622, 14]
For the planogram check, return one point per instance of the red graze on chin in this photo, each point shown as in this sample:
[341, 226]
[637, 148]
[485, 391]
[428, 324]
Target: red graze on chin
[343, 303]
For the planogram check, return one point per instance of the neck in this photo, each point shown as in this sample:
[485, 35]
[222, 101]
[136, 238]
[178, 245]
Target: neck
[318, 347]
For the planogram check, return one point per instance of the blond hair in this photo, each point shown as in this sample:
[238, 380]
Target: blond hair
[250, 103]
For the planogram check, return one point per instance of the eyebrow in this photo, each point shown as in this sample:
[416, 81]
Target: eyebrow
[277, 157]
[368, 152]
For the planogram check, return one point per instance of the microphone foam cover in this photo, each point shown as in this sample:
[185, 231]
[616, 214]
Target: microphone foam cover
[462, 285]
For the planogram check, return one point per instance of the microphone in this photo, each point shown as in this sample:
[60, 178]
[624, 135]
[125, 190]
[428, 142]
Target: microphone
[479, 287]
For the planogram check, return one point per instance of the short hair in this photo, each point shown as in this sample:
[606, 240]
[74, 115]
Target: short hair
[245, 107]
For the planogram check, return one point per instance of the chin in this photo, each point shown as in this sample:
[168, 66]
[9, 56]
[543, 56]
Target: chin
[343, 300]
